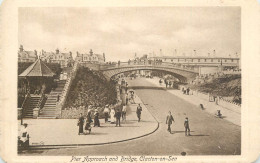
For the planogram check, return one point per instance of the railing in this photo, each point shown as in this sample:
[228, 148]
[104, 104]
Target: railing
[26, 103]
[66, 88]
[41, 101]
[150, 64]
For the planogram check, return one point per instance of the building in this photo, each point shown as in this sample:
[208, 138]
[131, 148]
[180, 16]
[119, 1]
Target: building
[90, 58]
[64, 59]
[27, 56]
[201, 61]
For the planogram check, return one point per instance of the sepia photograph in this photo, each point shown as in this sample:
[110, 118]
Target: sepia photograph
[129, 81]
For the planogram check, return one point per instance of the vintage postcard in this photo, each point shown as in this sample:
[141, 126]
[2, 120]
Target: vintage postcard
[116, 81]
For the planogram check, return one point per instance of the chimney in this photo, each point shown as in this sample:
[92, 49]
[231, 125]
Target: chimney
[194, 52]
[214, 53]
[208, 54]
[91, 52]
[104, 56]
[57, 51]
[21, 48]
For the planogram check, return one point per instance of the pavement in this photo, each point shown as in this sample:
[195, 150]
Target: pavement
[210, 107]
[64, 132]
[209, 135]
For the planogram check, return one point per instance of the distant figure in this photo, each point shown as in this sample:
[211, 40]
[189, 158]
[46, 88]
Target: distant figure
[170, 84]
[80, 124]
[188, 90]
[118, 116]
[96, 120]
[88, 126]
[138, 112]
[187, 127]
[160, 81]
[106, 112]
[126, 98]
[112, 116]
[124, 113]
[169, 121]
[219, 114]
[58, 98]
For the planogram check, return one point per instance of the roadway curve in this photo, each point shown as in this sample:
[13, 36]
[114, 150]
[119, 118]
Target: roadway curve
[210, 135]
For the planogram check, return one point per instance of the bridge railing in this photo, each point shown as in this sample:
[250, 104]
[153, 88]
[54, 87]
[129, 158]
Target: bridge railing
[150, 63]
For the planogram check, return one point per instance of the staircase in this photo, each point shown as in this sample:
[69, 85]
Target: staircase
[34, 100]
[49, 109]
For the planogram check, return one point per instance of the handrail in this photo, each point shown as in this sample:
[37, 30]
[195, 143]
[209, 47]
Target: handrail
[27, 97]
[39, 105]
[63, 96]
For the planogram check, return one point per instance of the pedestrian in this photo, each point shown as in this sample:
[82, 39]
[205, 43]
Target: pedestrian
[118, 116]
[169, 121]
[138, 112]
[96, 120]
[187, 127]
[188, 90]
[88, 125]
[58, 98]
[23, 139]
[80, 124]
[126, 98]
[124, 113]
[112, 116]
[106, 112]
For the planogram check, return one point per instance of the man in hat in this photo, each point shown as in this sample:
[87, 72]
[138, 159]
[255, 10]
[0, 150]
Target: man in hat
[138, 112]
[118, 116]
[187, 127]
[106, 113]
[169, 121]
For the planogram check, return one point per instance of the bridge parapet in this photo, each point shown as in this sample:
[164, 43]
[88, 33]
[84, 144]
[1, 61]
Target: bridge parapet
[146, 64]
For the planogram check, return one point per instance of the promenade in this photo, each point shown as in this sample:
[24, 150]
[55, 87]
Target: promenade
[64, 132]
[231, 115]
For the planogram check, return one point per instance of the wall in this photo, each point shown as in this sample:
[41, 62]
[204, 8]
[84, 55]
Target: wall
[208, 70]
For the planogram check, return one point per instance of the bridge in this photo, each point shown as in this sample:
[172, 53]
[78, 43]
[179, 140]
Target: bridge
[184, 74]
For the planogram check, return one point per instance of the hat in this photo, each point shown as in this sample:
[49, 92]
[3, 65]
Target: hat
[186, 117]
[107, 105]
[96, 110]
[25, 124]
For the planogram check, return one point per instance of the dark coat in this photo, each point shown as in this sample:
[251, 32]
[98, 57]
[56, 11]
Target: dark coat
[169, 119]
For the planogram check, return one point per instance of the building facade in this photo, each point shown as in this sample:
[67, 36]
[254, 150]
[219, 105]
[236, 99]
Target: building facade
[64, 59]
[90, 58]
[27, 56]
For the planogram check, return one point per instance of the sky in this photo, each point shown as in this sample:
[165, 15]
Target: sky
[120, 32]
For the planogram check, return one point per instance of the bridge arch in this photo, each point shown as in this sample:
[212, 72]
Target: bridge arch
[182, 75]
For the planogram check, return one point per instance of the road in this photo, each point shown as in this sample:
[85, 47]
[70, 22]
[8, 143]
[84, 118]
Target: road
[209, 135]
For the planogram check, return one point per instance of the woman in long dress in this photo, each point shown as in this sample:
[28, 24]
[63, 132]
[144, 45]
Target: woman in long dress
[80, 124]
[112, 115]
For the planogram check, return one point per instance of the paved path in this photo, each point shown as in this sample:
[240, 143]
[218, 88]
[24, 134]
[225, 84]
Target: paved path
[65, 131]
[230, 115]
[210, 135]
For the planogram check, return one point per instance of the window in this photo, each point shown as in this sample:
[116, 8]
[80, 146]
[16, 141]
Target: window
[211, 60]
[218, 60]
[198, 60]
[232, 60]
[191, 60]
[178, 60]
[184, 60]
[172, 60]
[205, 60]
[225, 60]
[164, 59]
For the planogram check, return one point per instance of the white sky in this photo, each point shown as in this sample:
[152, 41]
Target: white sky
[120, 32]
